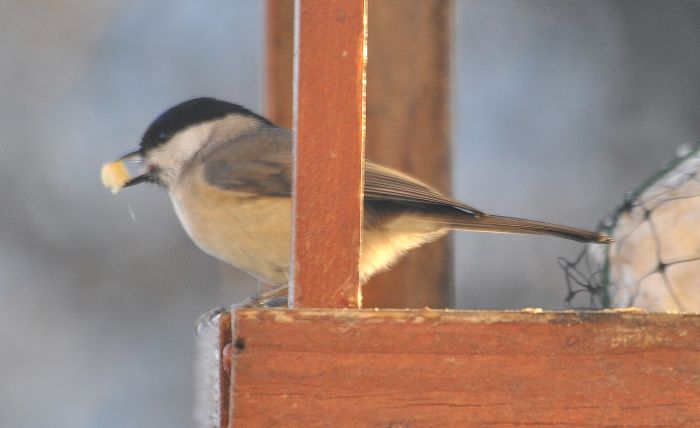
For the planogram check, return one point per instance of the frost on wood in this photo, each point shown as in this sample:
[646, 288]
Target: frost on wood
[207, 409]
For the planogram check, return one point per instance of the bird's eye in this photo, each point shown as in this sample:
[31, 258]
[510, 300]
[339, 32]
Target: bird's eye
[164, 136]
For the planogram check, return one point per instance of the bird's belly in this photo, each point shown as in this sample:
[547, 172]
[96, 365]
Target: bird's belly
[385, 243]
[253, 234]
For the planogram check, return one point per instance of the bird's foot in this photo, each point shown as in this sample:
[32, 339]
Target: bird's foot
[273, 298]
[209, 318]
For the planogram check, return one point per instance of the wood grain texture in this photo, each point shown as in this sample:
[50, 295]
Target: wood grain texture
[225, 338]
[408, 115]
[455, 369]
[280, 61]
[279, 41]
[408, 107]
[328, 153]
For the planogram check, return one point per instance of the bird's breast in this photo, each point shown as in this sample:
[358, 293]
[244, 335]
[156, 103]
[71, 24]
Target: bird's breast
[250, 232]
[253, 232]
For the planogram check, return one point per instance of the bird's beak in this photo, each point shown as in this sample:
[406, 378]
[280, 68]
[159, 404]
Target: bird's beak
[137, 157]
[134, 156]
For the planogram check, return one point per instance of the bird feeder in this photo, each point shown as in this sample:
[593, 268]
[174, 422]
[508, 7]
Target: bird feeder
[331, 359]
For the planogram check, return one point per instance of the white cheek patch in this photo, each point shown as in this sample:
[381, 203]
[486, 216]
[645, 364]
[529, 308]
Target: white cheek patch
[172, 155]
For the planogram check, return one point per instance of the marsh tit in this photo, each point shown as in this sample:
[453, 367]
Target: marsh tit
[228, 172]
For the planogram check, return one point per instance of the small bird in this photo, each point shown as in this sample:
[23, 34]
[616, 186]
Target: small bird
[228, 172]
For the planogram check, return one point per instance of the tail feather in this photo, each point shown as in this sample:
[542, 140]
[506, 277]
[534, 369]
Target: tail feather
[500, 224]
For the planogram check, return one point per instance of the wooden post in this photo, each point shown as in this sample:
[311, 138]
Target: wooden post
[408, 111]
[280, 61]
[329, 137]
[408, 106]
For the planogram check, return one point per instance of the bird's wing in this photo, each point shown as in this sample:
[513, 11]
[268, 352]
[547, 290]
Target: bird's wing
[257, 163]
[386, 184]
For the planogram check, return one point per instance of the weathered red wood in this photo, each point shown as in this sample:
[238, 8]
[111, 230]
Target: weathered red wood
[225, 338]
[280, 50]
[408, 112]
[328, 153]
[279, 41]
[451, 368]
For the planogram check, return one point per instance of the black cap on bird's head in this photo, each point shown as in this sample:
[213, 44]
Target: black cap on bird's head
[179, 118]
[189, 113]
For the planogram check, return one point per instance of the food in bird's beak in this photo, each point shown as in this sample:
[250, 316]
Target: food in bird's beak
[114, 176]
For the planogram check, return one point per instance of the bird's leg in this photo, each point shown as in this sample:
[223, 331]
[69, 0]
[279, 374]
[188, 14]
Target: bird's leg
[273, 298]
[208, 318]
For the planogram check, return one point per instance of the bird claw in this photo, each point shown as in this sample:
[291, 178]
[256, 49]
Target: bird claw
[273, 298]
[207, 319]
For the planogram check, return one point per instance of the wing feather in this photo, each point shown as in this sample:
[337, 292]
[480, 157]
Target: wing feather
[259, 163]
[386, 184]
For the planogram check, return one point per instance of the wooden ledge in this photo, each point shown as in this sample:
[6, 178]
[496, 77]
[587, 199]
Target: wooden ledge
[463, 368]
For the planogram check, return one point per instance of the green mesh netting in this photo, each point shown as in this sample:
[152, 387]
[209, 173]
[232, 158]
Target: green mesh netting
[654, 263]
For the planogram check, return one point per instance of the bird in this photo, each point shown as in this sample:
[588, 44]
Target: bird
[228, 172]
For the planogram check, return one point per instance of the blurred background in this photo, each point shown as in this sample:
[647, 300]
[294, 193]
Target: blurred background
[558, 109]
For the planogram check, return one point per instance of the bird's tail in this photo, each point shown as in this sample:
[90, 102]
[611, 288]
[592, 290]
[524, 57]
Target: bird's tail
[500, 224]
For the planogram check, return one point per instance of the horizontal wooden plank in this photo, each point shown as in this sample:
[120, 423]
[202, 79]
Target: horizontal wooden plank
[455, 368]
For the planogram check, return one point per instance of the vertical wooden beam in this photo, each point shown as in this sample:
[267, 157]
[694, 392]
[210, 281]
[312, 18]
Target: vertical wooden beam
[225, 338]
[408, 111]
[408, 128]
[279, 42]
[328, 152]
[280, 59]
